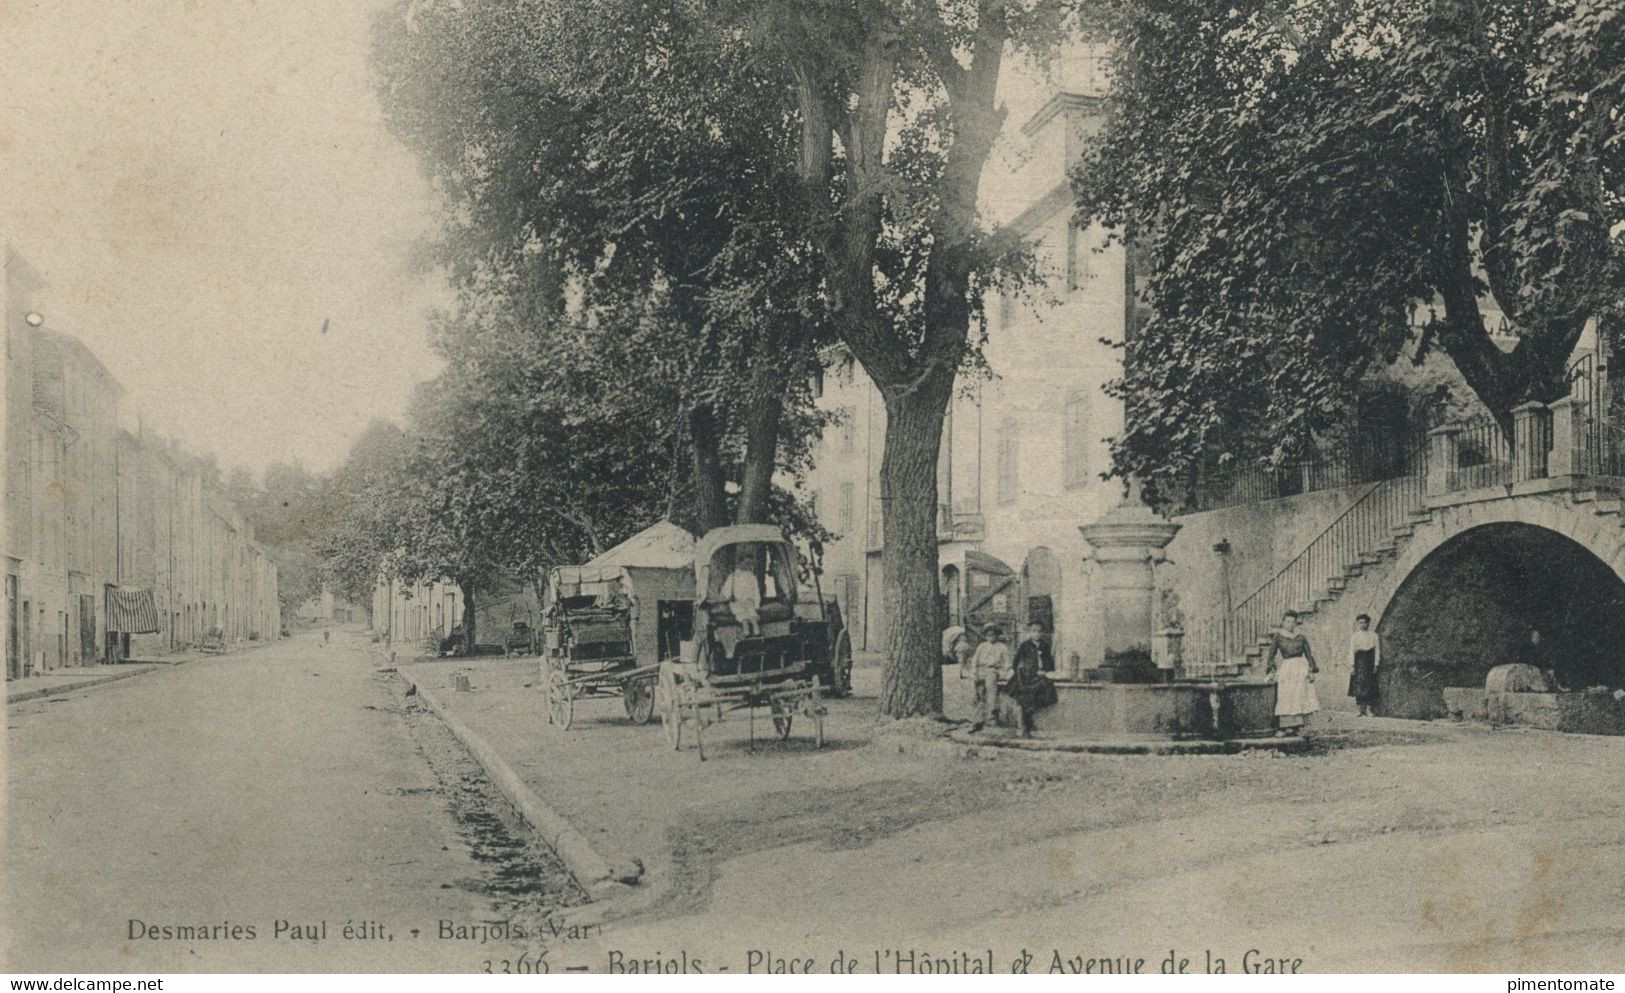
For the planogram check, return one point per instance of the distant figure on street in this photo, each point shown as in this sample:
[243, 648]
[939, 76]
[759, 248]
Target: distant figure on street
[1292, 663]
[1365, 655]
[327, 636]
[1030, 688]
[744, 595]
[989, 665]
[956, 648]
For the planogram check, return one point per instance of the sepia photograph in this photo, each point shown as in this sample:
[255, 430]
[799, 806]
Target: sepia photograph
[772, 487]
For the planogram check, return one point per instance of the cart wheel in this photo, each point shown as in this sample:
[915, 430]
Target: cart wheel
[639, 697]
[841, 666]
[781, 720]
[560, 701]
[671, 718]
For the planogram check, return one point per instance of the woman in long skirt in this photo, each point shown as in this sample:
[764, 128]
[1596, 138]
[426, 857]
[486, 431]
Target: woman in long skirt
[1292, 663]
[1365, 654]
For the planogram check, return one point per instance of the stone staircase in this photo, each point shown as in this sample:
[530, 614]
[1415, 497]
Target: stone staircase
[1565, 453]
[1329, 613]
[1362, 563]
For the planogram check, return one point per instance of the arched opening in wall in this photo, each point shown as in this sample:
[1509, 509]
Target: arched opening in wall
[1471, 605]
[1041, 591]
[950, 597]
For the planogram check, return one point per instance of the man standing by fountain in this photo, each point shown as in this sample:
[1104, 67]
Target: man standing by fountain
[991, 664]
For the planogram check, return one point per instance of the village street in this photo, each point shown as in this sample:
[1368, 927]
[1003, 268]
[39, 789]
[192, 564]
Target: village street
[283, 783]
[297, 782]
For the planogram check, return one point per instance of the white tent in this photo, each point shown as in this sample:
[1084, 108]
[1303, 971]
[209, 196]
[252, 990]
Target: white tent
[659, 546]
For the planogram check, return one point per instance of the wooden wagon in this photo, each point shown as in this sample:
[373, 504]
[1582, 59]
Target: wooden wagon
[785, 666]
[606, 625]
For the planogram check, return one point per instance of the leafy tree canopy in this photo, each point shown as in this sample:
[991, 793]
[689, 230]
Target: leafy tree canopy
[1317, 189]
[619, 193]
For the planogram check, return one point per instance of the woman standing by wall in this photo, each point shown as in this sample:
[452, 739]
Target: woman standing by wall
[1292, 663]
[1365, 654]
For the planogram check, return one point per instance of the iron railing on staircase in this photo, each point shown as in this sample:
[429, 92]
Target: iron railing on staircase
[1356, 538]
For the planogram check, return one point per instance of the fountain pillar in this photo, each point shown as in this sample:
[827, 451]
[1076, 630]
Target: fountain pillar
[1126, 544]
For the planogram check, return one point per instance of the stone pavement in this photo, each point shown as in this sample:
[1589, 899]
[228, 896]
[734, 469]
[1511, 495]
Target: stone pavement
[288, 783]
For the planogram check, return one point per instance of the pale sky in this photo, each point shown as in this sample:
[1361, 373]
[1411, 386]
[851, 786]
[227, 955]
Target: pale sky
[203, 183]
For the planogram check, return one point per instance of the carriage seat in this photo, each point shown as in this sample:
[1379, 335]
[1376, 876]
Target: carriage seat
[769, 613]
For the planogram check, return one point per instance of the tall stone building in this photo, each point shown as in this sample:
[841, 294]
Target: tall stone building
[114, 544]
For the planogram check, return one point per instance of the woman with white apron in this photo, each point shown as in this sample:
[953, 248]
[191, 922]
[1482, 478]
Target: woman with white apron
[1292, 664]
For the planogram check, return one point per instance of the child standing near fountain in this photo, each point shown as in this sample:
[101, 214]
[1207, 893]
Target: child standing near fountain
[1295, 697]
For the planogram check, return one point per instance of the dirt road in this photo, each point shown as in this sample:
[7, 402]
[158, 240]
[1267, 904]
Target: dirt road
[287, 784]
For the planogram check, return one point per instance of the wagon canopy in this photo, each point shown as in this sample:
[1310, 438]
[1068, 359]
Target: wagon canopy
[654, 565]
[567, 581]
[661, 548]
[780, 566]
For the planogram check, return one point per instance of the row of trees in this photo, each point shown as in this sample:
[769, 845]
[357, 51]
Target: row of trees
[659, 212]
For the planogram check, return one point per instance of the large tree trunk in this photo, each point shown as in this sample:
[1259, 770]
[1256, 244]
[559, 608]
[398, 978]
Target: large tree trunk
[1537, 369]
[911, 685]
[763, 415]
[710, 500]
[915, 377]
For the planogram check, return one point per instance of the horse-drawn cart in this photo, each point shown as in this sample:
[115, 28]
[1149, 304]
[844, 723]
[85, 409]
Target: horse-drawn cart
[606, 626]
[752, 644]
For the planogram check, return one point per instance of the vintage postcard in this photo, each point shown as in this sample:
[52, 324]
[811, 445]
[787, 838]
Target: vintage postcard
[913, 487]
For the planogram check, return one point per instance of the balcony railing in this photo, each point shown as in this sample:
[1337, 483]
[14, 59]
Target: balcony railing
[1483, 456]
[1364, 458]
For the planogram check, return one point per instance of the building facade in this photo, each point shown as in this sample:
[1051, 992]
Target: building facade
[417, 616]
[108, 530]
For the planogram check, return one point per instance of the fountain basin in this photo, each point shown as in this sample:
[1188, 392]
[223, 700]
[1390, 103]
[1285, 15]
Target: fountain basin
[1211, 710]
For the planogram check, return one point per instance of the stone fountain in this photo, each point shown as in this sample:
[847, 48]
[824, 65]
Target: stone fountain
[1135, 688]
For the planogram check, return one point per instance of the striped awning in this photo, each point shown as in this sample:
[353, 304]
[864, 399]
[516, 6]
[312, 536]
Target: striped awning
[131, 610]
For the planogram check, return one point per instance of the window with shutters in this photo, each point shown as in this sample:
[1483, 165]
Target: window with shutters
[1008, 443]
[1075, 443]
[1077, 259]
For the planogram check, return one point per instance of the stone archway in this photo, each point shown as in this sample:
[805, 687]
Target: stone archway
[1471, 601]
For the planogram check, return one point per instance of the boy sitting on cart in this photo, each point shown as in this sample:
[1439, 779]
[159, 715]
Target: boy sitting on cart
[742, 591]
